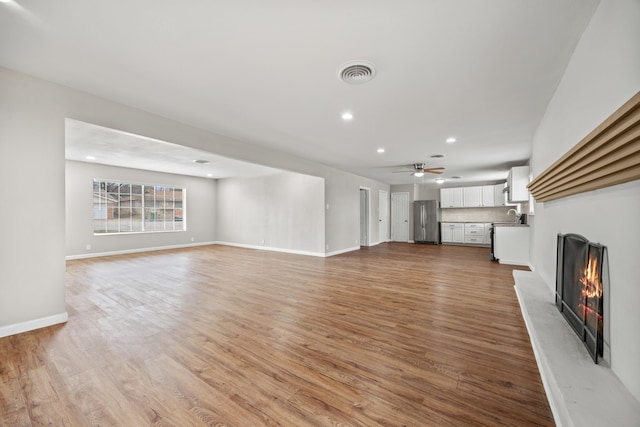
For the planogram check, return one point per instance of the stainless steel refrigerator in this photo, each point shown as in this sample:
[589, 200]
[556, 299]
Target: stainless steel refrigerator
[426, 221]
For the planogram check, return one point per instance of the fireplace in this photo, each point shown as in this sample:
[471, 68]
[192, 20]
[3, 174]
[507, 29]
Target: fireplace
[579, 289]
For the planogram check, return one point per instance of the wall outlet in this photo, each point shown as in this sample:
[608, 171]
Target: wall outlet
[87, 247]
[193, 239]
[262, 241]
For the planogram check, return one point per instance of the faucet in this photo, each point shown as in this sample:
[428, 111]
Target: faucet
[515, 212]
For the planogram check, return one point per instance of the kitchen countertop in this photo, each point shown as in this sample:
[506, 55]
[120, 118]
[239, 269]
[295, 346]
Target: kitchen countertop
[508, 224]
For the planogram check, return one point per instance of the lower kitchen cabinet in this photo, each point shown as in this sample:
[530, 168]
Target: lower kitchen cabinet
[452, 232]
[474, 233]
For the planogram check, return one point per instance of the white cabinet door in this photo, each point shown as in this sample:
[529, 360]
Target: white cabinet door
[518, 179]
[452, 232]
[451, 197]
[488, 196]
[498, 195]
[446, 233]
[445, 198]
[472, 197]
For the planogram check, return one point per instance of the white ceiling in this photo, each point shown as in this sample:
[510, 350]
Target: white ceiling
[112, 147]
[266, 71]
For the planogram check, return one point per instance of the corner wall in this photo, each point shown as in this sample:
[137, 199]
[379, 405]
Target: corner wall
[603, 74]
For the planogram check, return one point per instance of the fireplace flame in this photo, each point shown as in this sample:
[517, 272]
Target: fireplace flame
[591, 285]
[591, 288]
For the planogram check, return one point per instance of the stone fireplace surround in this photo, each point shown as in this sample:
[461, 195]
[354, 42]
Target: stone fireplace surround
[580, 392]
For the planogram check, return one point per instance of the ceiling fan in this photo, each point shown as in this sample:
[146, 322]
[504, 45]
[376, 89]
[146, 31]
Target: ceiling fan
[419, 170]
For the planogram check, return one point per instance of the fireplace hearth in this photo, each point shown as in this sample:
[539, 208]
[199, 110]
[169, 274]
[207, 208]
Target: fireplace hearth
[579, 290]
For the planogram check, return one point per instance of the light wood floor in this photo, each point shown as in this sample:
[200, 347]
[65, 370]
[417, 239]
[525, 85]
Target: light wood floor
[393, 335]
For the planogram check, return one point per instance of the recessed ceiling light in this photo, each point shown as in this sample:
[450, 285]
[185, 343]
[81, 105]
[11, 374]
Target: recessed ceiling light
[88, 157]
[440, 180]
[380, 150]
[347, 116]
[209, 175]
[451, 140]
[5, 1]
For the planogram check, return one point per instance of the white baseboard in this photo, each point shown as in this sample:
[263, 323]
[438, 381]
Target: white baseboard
[341, 251]
[271, 249]
[30, 325]
[513, 262]
[138, 250]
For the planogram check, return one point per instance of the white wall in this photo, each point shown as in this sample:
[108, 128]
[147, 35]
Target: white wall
[281, 211]
[32, 266]
[200, 209]
[603, 74]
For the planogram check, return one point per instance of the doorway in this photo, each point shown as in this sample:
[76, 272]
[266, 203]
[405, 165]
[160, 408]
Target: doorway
[400, 217]
[364, 217]
[383, 216]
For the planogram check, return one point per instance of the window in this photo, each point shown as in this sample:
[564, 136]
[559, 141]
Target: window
[132, 208]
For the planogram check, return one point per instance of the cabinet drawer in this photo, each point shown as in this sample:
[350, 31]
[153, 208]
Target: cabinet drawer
[452, 225]
[473, 239]
[474, 232]
[474, 225]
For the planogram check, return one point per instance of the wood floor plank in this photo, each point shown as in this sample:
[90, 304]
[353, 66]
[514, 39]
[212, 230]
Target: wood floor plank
[391, 335]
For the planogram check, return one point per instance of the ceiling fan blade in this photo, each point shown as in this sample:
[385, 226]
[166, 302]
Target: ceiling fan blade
[437, 172]
[439, 168]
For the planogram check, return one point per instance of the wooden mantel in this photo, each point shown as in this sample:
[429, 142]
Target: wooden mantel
[609, 155]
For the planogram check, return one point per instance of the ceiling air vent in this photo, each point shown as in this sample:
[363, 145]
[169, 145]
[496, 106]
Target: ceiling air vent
[356, 72]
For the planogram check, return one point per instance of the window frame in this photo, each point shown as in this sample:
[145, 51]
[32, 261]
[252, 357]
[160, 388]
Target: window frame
[110, 209]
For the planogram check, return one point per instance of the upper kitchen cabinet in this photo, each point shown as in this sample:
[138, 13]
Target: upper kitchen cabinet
[451, 197]
[498, 194]
[472, 197]
[488, 196]
[517, 181]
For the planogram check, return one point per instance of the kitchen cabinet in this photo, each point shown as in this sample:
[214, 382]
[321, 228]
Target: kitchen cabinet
[472, 197]
[498, 194]
[451, 197]
[474, 233]
[488, 196]
[452, 232]
[511, 244]
[517, 181]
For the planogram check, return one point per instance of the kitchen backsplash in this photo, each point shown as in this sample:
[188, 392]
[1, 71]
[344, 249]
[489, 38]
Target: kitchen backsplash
[497, 214]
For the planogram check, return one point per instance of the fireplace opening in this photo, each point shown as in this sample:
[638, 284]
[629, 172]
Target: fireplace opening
[579, 290]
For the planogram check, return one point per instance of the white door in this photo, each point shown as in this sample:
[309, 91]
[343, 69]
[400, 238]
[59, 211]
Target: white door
[364, 217]
[383, 216]
[400, 217]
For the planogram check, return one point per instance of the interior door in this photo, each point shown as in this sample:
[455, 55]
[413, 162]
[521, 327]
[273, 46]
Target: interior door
[364, 217]
[400, 217]
[383, 216]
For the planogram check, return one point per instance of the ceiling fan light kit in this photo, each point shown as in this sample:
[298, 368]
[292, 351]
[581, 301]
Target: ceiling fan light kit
[419, 169]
